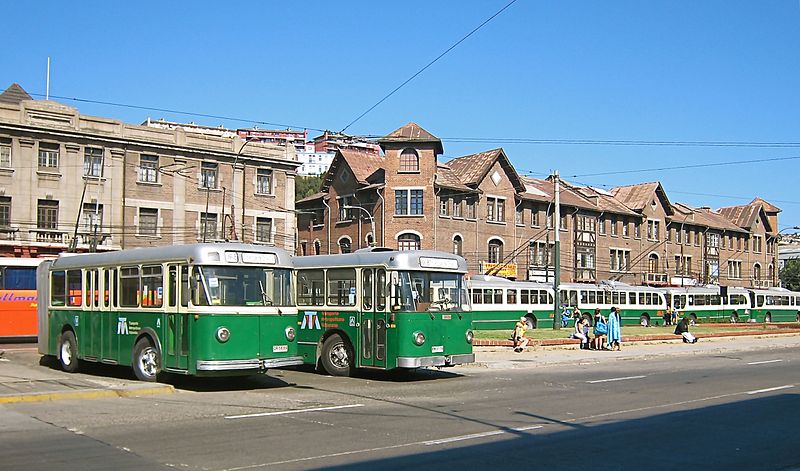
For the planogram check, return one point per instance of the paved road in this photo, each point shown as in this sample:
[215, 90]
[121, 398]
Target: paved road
[734, 408]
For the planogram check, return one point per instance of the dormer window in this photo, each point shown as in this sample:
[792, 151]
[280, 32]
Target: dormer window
[409, 161]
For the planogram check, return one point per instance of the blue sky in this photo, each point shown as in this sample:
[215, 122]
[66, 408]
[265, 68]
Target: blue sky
[611, 70]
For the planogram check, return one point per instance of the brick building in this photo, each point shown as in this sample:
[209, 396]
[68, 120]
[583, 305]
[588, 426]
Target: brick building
[131, 186]
[478, 206]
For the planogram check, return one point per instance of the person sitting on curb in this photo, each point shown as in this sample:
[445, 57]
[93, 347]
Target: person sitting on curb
[682, 329]
[582, 332]
[518, 337]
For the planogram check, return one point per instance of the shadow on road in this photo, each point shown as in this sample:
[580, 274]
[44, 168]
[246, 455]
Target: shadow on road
[749, 434]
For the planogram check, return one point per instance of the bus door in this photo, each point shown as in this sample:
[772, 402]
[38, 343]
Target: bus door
[176, 346]
[91, 343]
[373, 317]
[109, 317]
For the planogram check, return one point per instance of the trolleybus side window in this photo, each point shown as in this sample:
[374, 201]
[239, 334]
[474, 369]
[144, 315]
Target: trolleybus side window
[129, 283]
[511, 296]
[341, 287]
[106, 287]
[380, 289]
[524, 296]
[58, 292]
[186, 293]
[75, 287]
[172, 282]
[152, 286]
[366, 289]
[631, 298]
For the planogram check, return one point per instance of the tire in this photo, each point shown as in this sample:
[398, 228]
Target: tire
[588, 319]
[644, 320]
[146, 361]
[68, 352]
[337, 356]
[798, 317]
[530, 324]
[692, 319]
[768, 318]
[734, 318]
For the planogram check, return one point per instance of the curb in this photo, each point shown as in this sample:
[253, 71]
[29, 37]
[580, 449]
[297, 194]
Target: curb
[637, 338]
[87, 394]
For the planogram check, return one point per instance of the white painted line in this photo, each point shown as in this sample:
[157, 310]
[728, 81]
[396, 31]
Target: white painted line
[615, 379]
[479, 435]
[777, 388]
[295, 411]
[763, 362]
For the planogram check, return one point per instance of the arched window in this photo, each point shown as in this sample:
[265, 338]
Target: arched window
[771, 272]
[652, 263]
[370, 239]
[344, 245]
[457, 245]
[495, 251]
[317, 247]
[408, 241]
[757, 271]
[409, 161]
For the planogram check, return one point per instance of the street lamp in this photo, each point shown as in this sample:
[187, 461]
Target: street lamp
[371, 221]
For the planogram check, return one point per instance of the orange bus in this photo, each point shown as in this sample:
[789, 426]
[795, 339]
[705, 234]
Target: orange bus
[18, 321]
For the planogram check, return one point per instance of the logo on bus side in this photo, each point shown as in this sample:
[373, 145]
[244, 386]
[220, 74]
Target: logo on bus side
[122, 326]
[310, 320]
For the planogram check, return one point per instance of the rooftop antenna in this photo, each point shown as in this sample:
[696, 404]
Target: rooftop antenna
[47, 87]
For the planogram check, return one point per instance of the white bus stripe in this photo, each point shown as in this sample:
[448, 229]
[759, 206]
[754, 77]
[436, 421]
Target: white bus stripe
[763, 362]
[777, 388]
[616, 379]
[294, 411]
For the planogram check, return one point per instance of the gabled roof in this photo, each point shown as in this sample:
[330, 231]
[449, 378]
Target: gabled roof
[447, 178]
[542, 191]
[472, 169]
[638, 196]
[412, 133]
[314, 197]
[363, 165]
[768, 207]
[705, 217]
[603, 200]
[745, 215]
[14, 95]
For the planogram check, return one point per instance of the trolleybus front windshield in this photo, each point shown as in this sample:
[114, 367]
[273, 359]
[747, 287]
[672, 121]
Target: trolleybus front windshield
[243, 286]
[432, 291]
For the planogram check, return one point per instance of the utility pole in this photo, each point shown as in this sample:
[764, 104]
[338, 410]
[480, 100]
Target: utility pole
[557, 254]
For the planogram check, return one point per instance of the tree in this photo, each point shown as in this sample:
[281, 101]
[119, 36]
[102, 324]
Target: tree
[306, 186]
[790, 275]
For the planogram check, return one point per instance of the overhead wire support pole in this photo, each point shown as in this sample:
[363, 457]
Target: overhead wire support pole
[557, 254]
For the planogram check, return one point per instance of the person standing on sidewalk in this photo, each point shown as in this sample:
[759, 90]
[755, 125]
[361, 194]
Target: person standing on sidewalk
[614, 330]
[600, 330]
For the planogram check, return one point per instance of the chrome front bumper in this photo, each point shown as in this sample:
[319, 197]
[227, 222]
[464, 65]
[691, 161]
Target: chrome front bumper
[250, 364]
[440, 360]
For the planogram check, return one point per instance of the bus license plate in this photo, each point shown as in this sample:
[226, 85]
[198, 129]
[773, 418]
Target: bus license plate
[437, 349]
[280, 348]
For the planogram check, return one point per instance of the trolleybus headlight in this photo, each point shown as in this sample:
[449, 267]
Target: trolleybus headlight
[223, 334]
[419, 338]
[470, 336]
[290, 333]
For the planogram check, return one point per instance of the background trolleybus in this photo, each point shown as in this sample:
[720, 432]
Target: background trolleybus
[641, 305]
[201, 309]
[710, 303]
[379, 308]
[18, 298]
[498, 303]
[774, 305]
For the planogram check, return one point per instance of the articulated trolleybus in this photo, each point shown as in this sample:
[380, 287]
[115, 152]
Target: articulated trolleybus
[380, 308]
[201, 309]
[18, 298]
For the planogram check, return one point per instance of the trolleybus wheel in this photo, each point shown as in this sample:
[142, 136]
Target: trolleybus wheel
[692, 319]
[734, 318]
[529, 324]
[768, 318]
[337, 359]
[146, 360]
[644, 320]
[68, 352]
[798, 317]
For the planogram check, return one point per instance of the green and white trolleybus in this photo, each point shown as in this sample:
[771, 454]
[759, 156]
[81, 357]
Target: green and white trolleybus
[380, 308]
[710, 303]
[498, 303]
[201, 309]
[774, 305]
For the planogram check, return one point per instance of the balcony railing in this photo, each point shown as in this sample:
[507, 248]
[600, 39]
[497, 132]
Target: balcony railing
[49, 236]
[654, 278]
[760, 283]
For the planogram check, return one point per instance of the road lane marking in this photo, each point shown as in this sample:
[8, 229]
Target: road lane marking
[777, 388]
[479, 435]
[293, 411]
[763, 362]
[615, 379]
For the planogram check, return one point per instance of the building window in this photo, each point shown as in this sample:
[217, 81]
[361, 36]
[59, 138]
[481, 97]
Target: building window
[208, 175]
[444, 206]
[471, 208]
[47, 214]
[148, 168]
[683, 265]
[542, 254]
[495, 209]
[613, 226]
[668, 234]
[457, 208]
[757, 244]
[535, 216]
[653, 230]
[5, 153]
[637, 229]
[495, 251]
[408, 241]
[5, 211]
[317, 247]
[345, 245]
[601, 225]
[408, 202]
[757, 272]
[549, 221]
[519, 216]
[148, 221]
[697, 237]
[264, 181]
[93, 162]
[48, 155]
[730, 242]
[739, 242]
[458, 245]
[409, 161]
[91, 218]
[735, 269]
[562, 224]
[620, 259]
[208, 226]
[625, 228]
[345, 213]
[263, 229]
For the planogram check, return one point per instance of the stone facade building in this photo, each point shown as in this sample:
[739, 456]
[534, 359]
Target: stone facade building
[502, 223]
[70, 180]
